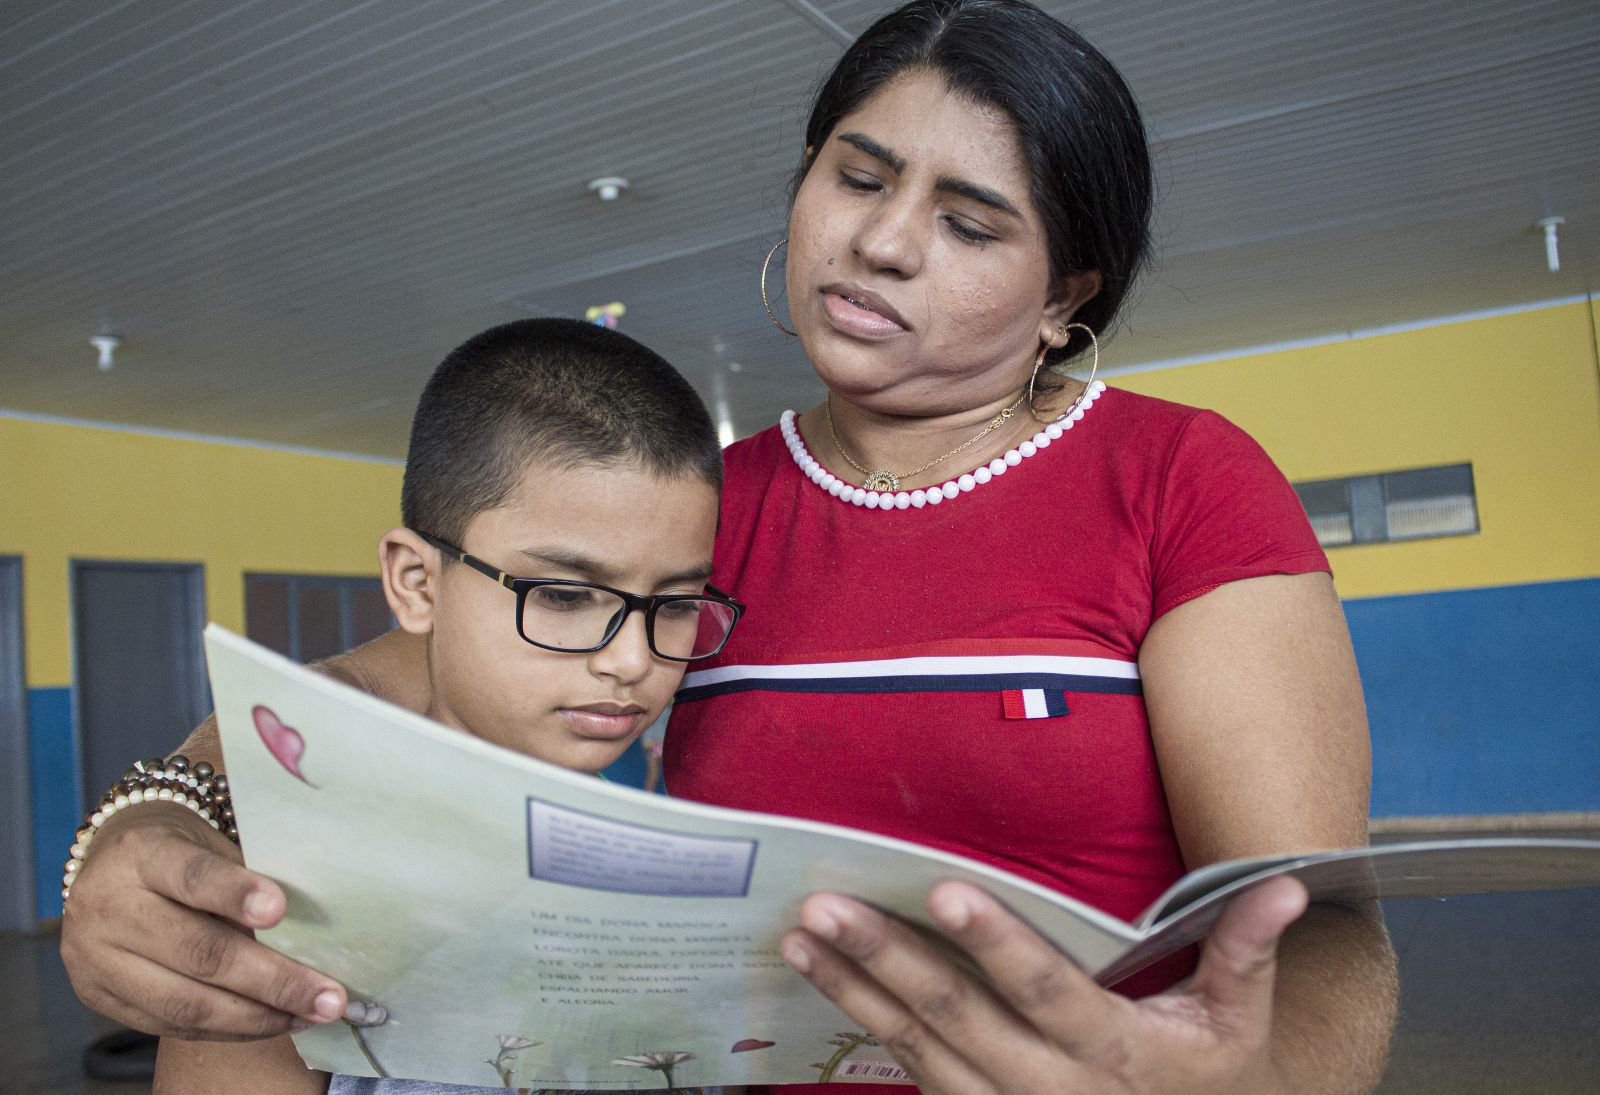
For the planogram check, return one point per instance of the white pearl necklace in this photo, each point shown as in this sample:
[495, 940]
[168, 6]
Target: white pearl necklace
[929, 496]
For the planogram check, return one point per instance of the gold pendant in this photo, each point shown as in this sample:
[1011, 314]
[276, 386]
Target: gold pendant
[882, 480]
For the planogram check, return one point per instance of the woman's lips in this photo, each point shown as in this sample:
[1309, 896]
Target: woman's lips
[606, 722]
[860, 313]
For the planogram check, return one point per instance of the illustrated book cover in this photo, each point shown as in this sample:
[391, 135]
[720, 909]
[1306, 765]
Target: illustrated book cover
[509, 923]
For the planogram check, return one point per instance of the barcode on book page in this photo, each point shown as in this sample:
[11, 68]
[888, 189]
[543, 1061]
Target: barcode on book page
[872, 1070]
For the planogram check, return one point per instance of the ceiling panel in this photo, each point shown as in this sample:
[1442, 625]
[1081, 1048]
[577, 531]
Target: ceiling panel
[290, 210]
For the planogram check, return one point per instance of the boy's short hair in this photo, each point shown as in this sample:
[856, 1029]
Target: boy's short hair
[553, 390]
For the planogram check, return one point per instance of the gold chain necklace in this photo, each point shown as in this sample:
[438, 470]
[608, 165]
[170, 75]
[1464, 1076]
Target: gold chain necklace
[885, 480]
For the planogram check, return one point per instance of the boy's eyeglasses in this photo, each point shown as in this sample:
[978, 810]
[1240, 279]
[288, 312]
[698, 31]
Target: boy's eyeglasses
[582, 617]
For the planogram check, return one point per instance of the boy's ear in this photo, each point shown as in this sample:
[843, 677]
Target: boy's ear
[410, 567]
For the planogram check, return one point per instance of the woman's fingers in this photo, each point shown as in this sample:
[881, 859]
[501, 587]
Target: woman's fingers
[206, 877]
[1040, 1023]
[1238, 962]
[931, 1061]
[204, 953]
[1043, 986]
[161, 890]
[912, 995]
[177, 1006]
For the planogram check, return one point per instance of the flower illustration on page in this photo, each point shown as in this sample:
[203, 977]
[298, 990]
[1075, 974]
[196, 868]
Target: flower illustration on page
[505, 1062]
[283, 742]
[847, 1042]
[748, 1044]
[661, 1062]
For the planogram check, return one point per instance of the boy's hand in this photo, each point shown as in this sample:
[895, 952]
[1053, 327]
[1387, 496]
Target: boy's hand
[157, 936]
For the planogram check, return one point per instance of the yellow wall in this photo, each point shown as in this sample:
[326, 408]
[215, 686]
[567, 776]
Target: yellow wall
[1517, 395]
[78, 492]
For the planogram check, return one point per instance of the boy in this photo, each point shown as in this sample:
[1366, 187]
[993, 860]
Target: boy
[560, 504]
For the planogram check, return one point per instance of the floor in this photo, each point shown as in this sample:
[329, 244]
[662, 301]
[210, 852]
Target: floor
[43, 1027]
[1501, 993]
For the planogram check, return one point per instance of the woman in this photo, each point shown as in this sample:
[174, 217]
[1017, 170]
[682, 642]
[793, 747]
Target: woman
[955, 541]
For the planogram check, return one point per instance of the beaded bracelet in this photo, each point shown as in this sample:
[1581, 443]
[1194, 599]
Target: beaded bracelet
[200, 787]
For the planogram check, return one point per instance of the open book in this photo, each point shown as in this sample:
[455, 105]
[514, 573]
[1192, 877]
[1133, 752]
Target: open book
[513, 924]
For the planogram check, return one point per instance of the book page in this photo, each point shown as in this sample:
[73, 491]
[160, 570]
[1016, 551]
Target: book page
[1437, 868]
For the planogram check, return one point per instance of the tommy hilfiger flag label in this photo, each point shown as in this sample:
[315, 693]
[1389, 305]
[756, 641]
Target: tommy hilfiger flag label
[1034, 703]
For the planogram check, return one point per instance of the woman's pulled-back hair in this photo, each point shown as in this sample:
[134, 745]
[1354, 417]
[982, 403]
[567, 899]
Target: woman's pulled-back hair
[1075, 118]
[554, 390]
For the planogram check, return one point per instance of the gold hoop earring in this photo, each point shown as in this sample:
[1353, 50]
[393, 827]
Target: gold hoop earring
[1088, 385]
[765, 303]
[1038, 361]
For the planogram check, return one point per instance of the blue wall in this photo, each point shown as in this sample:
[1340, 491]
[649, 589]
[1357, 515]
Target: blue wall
[630, 768]
[54, 788]
[1483, 701]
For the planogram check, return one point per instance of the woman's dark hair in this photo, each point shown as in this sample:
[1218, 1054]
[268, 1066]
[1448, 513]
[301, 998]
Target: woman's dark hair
[1076, 120]
[557, 390]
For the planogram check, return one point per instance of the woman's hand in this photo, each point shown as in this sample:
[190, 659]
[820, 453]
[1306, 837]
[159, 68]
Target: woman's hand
[1044, 1027]
[155, 935]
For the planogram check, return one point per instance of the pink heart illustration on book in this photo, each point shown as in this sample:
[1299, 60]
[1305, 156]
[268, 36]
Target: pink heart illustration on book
[750, 1043]
[283, 742]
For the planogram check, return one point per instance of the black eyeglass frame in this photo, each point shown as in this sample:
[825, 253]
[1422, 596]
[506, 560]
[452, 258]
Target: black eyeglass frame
[632, 602]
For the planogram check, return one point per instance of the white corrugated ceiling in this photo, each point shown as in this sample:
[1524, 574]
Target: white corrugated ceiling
[290, 210]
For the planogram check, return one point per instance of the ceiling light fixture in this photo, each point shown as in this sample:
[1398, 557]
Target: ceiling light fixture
[610, 188]
[721, 412]
[1552, 246]
[107, 345]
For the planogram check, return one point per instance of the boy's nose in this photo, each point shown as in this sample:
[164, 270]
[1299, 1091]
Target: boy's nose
[626, 658]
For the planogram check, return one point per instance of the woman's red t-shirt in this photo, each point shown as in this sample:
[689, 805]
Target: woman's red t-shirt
[965, 674]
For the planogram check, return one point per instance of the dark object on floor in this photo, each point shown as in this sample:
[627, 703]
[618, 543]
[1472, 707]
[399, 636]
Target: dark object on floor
[121, 1055]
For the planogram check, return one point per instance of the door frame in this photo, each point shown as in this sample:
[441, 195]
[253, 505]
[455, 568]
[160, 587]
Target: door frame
[196, 596]
[344, 584]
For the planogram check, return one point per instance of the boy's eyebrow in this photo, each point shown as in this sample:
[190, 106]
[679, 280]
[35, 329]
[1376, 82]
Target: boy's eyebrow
[698, 574]
[596, 571]
[948, 183]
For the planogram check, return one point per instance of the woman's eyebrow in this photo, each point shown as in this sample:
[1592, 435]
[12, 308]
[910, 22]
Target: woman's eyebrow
[977, 193]
[947, 183]
[873, 149]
